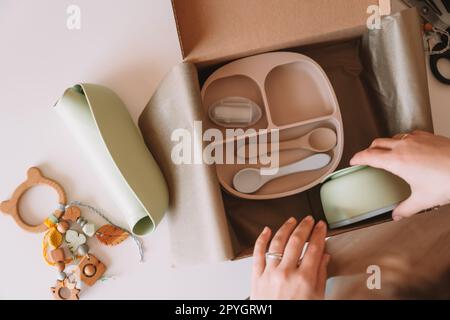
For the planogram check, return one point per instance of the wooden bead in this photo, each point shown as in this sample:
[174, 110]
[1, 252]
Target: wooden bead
[62, 226]
[89, 270]
[72, 214]
[57, 255]
[60, 265]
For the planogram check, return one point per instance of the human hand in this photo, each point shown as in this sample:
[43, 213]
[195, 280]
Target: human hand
[290, 278]
[422, 160]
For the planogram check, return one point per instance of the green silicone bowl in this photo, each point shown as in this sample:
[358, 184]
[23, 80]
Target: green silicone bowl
[354, 194]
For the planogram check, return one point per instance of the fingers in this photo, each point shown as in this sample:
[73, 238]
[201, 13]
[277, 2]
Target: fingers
[414, 133]
[296, 242]
[401, 136]
[377, 155]
[422, 133]
[417, 133]
[280, 239]
[322, 275]
[311, 261]
[259, 252]
[406, 209]
[385, 143]
[377, 158]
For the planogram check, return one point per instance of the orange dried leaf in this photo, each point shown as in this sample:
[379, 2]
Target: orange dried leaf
[111, 235]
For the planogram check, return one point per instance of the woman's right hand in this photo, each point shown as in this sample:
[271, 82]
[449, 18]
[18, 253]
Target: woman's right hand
[422, 160]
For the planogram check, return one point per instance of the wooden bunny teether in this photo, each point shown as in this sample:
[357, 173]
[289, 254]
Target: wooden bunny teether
[34, 178]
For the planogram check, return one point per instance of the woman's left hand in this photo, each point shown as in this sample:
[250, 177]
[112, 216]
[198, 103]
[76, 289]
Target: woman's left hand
[290, 278]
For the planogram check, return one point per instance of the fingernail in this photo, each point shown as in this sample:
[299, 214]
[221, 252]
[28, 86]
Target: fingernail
[292, 220]
[309, 218]
[320, 225]
[397, 218]
[266, 230]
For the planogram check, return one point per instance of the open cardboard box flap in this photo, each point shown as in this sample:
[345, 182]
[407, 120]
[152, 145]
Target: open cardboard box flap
[208, 225]
[212, 31]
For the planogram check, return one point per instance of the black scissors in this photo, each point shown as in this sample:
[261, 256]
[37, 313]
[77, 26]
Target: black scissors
[438, 52]
[433, 11]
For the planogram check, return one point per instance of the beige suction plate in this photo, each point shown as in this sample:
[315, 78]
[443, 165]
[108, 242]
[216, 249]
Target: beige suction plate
[296, 97]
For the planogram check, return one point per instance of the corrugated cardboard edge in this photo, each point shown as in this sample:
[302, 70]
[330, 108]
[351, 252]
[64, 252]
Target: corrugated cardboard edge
[178, 28]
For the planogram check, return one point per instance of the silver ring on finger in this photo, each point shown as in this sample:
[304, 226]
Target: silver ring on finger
[274, 256]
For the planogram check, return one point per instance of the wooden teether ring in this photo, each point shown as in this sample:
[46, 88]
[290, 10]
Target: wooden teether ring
[34, 178]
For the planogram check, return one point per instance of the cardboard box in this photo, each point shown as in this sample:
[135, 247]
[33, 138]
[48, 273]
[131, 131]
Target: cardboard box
[215, 31]
[206, 223]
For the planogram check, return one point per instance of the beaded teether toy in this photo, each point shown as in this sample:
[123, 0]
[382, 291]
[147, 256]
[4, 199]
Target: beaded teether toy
[60, 231]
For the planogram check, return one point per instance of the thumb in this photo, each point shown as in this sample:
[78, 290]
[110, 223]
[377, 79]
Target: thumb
[406, 209]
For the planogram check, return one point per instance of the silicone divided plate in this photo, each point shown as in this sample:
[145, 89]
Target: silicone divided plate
[295, 96]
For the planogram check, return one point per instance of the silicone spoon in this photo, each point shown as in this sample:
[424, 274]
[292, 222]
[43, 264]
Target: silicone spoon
[318, 140]
[251, 180]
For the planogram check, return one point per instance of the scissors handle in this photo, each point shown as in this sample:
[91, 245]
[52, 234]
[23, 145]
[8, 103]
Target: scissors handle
[435, 58]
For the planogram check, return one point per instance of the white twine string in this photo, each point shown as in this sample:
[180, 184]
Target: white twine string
[99, 213]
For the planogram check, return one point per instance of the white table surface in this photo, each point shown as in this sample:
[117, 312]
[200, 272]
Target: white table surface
[127, 46]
